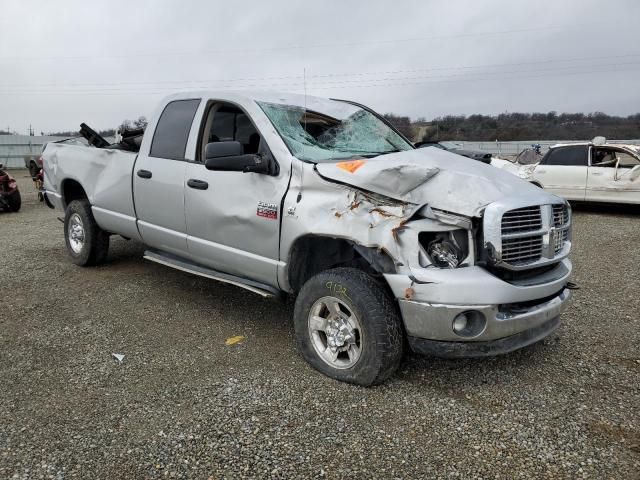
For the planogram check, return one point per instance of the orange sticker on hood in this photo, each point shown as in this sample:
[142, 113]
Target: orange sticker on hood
[351, 166]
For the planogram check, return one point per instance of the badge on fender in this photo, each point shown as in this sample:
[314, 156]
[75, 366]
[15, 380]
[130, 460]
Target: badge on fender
[267, 210]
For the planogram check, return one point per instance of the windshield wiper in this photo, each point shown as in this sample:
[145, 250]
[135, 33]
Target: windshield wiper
[377, 154]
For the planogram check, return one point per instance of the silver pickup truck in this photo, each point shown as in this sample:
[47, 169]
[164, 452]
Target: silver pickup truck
[384, 245]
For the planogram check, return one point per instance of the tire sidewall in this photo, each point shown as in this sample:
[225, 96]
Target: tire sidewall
[347, 285]
[81, 207]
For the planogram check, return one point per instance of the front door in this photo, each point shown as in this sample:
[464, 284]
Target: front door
[159, 180]
[563, 171]
[610, 177]
[233, 218]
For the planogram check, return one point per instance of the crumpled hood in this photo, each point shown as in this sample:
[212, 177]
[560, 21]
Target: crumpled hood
[431, 176]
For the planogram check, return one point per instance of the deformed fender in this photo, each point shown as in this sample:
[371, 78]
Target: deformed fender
[369, 221]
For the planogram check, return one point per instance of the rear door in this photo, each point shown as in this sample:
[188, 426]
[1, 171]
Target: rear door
[158, 179]
[233, 218]
[563, 171]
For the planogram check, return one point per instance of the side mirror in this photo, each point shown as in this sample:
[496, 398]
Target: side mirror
[228, 157]
[222, 149]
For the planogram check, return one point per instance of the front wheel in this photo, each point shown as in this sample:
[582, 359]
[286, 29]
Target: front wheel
[347, 326]
[86, 242]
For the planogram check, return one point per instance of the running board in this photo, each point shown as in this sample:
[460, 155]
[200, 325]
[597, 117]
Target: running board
[189, 267]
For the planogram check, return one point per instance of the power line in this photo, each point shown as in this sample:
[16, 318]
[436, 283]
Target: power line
[294, 47]
[373, 83]
[231, 81]
[512, 77]
[226, 84]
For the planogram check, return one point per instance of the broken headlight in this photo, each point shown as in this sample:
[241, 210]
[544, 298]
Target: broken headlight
[445, 249]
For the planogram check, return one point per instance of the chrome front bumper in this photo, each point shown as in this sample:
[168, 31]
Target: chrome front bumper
[483, 349]
[434, 321]
[516, 314]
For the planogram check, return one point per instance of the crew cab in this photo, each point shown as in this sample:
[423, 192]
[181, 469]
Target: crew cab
[381, 244]
[592, 172]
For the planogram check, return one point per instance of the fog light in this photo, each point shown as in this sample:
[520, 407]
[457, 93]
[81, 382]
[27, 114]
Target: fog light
[469, 324]
[460, 323]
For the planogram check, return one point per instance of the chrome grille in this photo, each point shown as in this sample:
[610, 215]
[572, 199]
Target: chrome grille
[522, 250]
[522, 220]
[560, 215]
[527, 236]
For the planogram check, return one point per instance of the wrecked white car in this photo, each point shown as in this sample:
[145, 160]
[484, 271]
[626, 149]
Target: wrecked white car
[383, 244]
[590, 171]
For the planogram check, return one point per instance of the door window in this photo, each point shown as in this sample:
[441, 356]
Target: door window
[568, 156]
[172, 131]
[608, 157]
[229, 123]
[603, 157]
[626, 160]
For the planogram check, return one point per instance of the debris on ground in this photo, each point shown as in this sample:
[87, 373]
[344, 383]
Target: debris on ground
[234, 340]
[118, 356]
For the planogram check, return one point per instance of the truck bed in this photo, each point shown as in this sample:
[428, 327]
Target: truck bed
[103, 173]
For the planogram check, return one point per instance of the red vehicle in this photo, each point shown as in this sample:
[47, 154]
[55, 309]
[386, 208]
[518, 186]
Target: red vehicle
[10, 200]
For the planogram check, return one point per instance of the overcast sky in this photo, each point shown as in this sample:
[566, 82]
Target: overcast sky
[65, 62]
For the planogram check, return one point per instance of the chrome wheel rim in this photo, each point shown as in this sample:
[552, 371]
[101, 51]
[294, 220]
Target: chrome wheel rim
[76, 233]
[335, 332]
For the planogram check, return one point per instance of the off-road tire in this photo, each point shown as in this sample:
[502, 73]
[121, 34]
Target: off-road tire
[383, 339]
[14, 201]
[96, 243]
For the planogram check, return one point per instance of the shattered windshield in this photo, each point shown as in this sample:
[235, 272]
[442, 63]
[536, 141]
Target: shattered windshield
[341, 130]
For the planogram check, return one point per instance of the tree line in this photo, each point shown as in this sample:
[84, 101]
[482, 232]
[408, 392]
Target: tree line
[519, 126]
[478, 127]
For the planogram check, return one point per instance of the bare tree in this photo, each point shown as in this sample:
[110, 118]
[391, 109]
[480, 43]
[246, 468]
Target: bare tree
[141, 122]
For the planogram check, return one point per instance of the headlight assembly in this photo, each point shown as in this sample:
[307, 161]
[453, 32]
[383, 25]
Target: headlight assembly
[445, 249]
[444, 253]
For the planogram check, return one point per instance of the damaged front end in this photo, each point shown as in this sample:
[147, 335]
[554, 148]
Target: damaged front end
[485, 281]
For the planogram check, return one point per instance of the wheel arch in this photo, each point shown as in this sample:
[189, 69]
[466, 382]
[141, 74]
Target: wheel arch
[72, 190]
[312, 254]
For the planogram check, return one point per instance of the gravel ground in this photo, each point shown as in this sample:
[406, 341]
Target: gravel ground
[184, 405]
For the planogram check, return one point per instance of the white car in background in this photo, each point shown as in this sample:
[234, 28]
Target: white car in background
[589, 171]
[522, 165]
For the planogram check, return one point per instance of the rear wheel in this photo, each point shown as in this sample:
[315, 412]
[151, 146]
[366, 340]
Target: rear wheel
[348, 327]
[86, 242]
